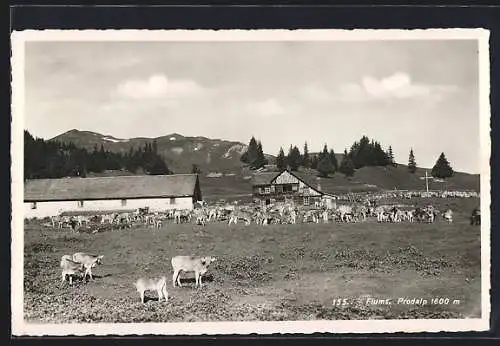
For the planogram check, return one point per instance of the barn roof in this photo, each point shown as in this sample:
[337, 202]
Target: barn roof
[120, 187]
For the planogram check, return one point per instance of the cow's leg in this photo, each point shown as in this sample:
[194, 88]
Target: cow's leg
[174, 277]
[71, 279]
[63, 278]
[142, 296]
[165, 293]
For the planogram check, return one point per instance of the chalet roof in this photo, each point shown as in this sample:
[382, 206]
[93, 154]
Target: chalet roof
[264, 178]
[118, 187]
[309, 179]
[268, 177]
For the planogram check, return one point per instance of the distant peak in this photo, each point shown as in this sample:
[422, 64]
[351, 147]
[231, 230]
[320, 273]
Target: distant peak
[175, 135]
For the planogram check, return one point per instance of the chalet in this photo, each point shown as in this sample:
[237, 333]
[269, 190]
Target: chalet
[285, 185]
[48, 197]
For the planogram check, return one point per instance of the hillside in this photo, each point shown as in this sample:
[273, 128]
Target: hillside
[391, 178]
[364, 180]
[179, 152]
[232, 180]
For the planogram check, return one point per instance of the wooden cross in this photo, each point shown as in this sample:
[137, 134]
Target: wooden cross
[426, 181]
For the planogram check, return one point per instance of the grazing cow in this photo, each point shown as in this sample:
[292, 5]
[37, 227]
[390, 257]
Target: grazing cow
[70, 268]
[345, 212]
[181, 216]
[475, 218]
[293, 217]
[89, 261]
[237, 215]
[158, 223]
[325, 216]
[430, 216]
[198, 265]
[448, 215]
[213, 214]
[360, 211]
[107, 218]
[73, 223]
[158, 284]
[382, 213]
[200, 217]
[54, 220]
[82, 220]
[409, 215]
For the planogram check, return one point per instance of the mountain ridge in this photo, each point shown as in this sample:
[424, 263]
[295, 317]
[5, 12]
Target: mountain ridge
[222, 172]
[180, 152]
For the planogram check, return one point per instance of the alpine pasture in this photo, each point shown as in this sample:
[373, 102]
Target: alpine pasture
[302, 271]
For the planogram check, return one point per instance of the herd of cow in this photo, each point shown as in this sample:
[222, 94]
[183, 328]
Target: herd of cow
[80, 265]
[282, 213]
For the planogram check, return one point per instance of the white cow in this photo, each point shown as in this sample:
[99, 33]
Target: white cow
[345, 212]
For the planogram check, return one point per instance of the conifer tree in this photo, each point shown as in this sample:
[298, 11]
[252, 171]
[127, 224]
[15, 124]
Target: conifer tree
[346, 166]
[333, 160]
[442, 168]
[306, 160]
[314, 161]
[260, 160]
[390, 155]
[325, 166]
[412, 165]
[281, 160]
[294, 158]
[323, 153]
[251, 154]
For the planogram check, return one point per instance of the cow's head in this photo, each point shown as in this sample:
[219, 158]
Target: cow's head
[206, 261]
[99, 259]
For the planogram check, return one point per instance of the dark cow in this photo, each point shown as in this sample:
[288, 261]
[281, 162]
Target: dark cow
[475, 218]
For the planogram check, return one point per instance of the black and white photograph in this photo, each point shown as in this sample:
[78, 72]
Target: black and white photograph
[184, 182]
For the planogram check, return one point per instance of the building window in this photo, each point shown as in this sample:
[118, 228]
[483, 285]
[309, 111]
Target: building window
[272, 188]
[306, 201]
[172, 200]
[33, 205]
[279, 188]
[267, 190]
[124, 202]
[80, 204]
[295, 187]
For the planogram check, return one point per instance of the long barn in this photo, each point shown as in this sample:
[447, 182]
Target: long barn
[285, 185]
[49, 197]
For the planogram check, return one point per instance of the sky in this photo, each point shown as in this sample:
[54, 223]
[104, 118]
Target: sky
[407, 94]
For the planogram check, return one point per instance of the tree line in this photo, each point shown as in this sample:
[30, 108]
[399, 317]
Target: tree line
[51, 159]
[363, 153]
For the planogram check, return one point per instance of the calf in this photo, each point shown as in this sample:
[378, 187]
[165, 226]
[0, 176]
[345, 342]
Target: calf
[158, 284]
[70, 268]
[89, 261]
[448, 216]
[198, 265]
